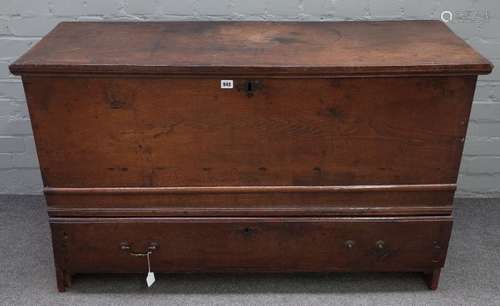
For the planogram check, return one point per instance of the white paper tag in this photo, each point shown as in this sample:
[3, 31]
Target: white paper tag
[226, 84]
[150, 279]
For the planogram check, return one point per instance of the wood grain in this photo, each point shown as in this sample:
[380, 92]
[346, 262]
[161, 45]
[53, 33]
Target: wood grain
[338, 148]
[120, 132]
[249, 48]
[255, 244]
[247, 189]
[377, 200]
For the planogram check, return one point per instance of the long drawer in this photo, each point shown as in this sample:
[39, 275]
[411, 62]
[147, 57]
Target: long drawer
[251, 244]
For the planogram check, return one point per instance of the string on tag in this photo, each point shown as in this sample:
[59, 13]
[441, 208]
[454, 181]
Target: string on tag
[149, 263]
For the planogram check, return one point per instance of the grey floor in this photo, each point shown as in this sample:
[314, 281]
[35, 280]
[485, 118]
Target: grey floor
[471, 275]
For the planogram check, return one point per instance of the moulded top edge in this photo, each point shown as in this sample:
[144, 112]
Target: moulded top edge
[280, 48]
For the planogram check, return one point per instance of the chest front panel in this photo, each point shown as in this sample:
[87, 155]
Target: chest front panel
[132, 132]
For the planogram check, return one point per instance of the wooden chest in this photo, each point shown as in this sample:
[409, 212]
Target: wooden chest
[250, 146]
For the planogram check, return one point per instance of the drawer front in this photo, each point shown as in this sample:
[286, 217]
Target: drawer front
[251, 244]
[129, 132]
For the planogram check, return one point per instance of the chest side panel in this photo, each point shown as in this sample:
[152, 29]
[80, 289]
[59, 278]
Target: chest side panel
[105, 132]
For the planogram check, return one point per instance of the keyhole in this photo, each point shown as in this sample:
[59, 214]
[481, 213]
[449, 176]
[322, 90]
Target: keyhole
[248, 231]
[249, 87]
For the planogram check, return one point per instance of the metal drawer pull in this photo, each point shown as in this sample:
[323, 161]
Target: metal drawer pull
[349, 244]
[139, 254]
[153, 246]
[380, 244]
[382, 250]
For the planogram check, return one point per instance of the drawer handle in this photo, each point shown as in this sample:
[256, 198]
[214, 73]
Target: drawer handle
[153, 246]
[380, 244]
[381, 250]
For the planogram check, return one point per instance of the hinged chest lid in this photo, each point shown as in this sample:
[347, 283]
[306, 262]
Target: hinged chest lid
[253, 48]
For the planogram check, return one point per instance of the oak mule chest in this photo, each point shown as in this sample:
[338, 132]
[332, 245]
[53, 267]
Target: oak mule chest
[250, 146]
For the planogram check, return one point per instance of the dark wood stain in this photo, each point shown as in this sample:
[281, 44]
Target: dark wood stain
[349, 48]
[342, 155]
[359, 135]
